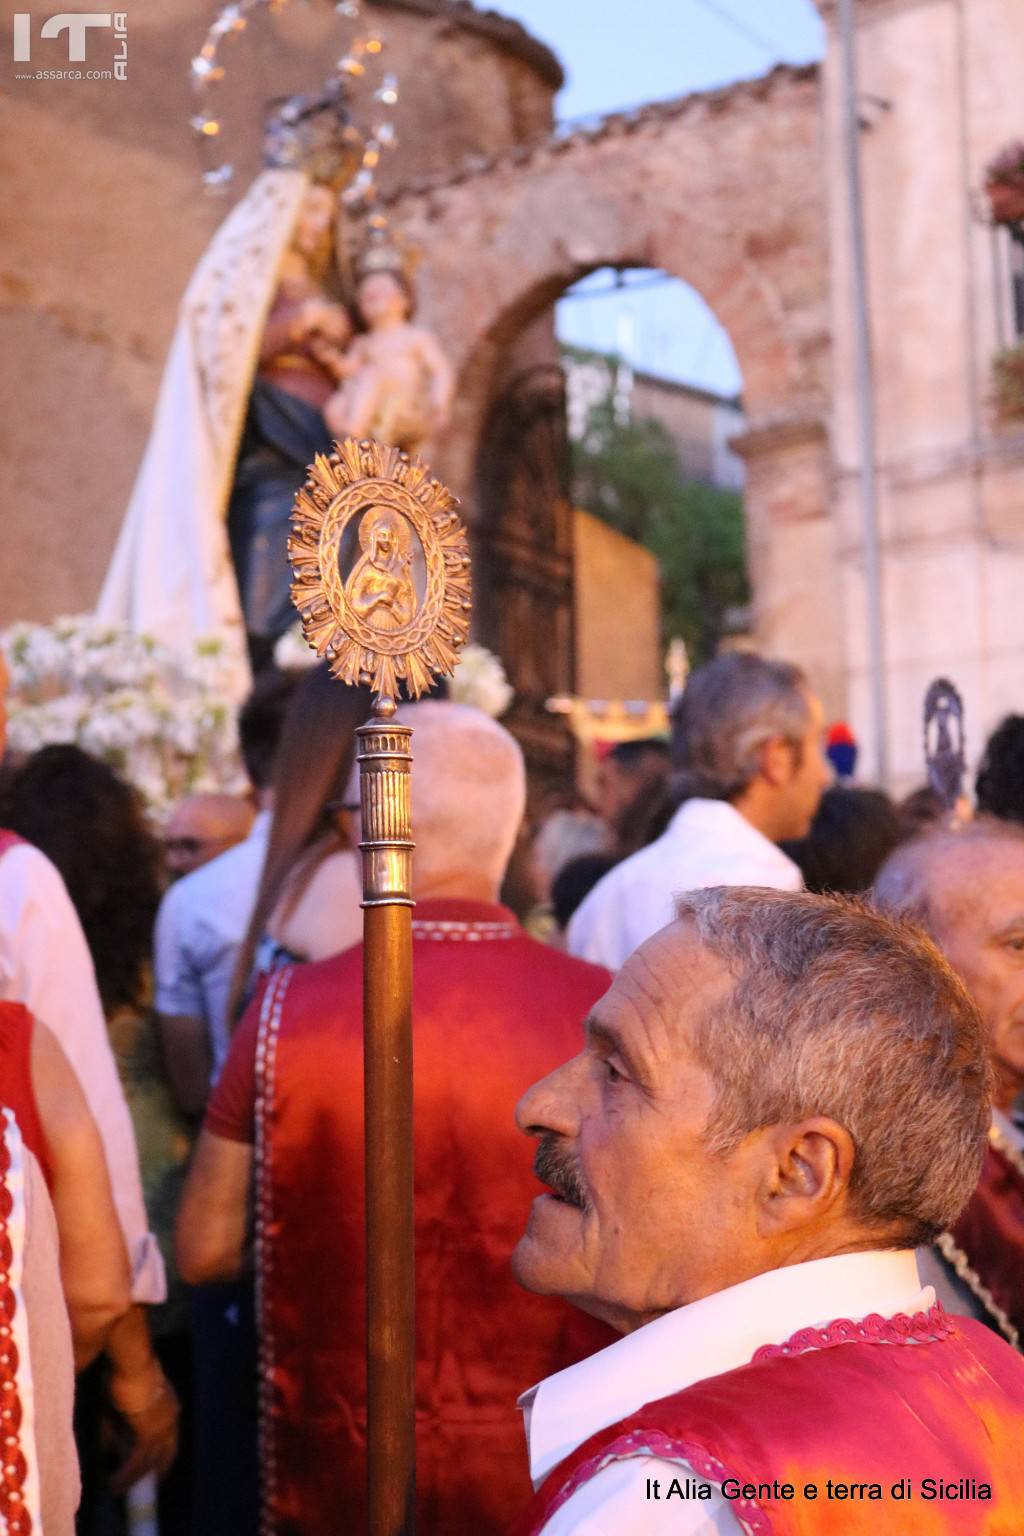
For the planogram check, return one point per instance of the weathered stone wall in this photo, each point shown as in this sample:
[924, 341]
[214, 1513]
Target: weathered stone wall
[723, 190]
[950, 478]
[106, 216]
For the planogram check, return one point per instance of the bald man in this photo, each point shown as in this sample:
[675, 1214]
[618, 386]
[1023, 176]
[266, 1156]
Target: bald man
[967, 890]
[201, 827]
[492, 1010]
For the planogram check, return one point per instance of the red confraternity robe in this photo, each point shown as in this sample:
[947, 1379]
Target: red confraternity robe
[987, 1247]
[929, 1402]
[493, 1011]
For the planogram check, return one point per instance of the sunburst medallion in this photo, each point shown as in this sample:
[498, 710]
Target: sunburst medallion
[380, 568]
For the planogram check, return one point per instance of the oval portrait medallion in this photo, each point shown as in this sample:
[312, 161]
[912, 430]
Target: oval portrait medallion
[380, 568]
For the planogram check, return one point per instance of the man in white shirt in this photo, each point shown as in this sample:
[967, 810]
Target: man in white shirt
[204, 917]
[199, 929]
[738, 1188]
[748, 747]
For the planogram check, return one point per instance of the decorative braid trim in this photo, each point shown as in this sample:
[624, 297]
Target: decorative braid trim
[19, 1478]
[1006, 1148]
[929, 1327]
[957, 1258]
[687, 1454]
[473, 933]
[266, 1062]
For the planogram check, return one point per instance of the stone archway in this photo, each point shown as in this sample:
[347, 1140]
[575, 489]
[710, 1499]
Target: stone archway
[723, 190]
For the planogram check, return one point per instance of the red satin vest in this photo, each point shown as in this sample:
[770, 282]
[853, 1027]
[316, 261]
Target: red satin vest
[864, 1403]
[492, 1012]
[991, 1232]
[16, 1092]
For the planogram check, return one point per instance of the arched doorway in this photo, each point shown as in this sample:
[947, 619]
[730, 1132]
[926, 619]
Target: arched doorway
[524, 539]
[592, 475]
[655, 403]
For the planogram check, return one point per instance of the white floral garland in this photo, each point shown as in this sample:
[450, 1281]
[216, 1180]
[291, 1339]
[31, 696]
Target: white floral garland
[161, 719]
[479, 679]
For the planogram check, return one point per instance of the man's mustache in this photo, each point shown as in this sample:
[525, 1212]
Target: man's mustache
[557, 1167]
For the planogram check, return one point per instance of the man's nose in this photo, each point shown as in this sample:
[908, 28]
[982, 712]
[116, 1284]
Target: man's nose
[552, 1104]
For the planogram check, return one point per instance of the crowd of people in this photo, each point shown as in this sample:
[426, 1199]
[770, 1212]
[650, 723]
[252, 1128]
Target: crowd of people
[765, 1026]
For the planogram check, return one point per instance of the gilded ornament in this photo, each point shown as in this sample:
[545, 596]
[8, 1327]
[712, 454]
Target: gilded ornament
[400, 611]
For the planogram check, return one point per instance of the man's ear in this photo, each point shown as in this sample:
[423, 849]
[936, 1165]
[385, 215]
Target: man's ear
[776, 761]
[808, 1174]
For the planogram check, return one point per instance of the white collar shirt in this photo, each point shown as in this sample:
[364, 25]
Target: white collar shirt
[1009, 1129]
[202, 921]
[716, 1334]
[706, 843]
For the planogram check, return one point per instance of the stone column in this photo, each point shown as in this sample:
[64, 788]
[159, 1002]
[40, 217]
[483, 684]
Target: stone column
[791, 548]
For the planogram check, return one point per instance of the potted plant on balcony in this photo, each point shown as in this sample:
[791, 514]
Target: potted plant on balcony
[1004, 185]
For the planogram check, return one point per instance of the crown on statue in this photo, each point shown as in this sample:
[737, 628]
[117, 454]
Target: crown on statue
[314, 134]
[381, 253]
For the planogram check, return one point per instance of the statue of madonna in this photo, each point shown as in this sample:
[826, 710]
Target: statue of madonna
[257, 353]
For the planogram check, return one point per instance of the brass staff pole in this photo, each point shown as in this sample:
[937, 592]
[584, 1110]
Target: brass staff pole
[384, 763]
[374, 625]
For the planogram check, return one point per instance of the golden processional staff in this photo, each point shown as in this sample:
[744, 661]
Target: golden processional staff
[380, 575]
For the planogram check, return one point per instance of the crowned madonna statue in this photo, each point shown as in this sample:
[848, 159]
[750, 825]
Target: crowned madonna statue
[268, 365]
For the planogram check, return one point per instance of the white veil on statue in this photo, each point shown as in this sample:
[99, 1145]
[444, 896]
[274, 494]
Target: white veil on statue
[172, 574]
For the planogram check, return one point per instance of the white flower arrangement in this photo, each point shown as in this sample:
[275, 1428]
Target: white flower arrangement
[161, 718]
[480, 680]
[293, 652]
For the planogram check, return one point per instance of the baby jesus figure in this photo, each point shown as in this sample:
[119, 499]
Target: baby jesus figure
[397, 382]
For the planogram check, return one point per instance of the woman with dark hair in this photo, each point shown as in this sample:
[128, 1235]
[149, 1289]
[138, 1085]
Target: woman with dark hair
[307, 905]
[92, 826]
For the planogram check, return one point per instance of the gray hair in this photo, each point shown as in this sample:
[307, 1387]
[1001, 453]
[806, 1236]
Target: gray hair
[837, 1010]
[917, 883]
[728, 710]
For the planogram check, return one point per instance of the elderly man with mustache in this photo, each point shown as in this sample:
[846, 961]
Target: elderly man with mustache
[779, 1097]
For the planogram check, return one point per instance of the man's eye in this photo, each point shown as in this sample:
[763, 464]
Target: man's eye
[614, 1075]
[1016, 944]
